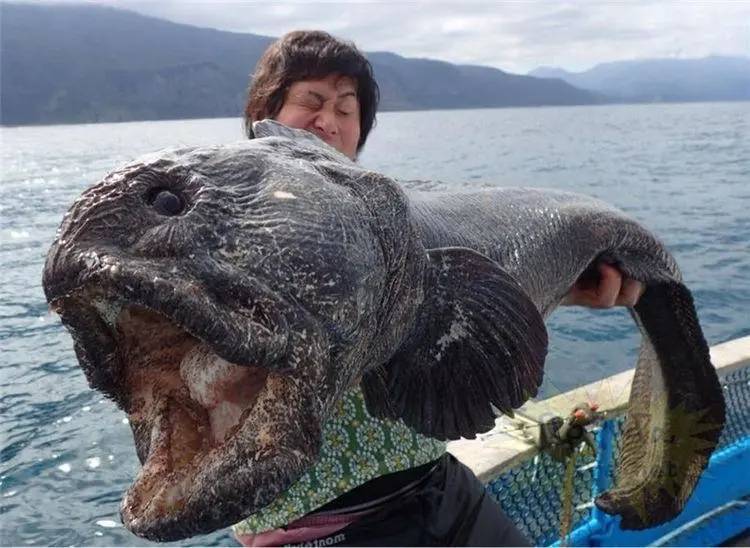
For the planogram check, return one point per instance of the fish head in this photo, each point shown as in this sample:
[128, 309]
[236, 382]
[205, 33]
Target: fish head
[224, 298]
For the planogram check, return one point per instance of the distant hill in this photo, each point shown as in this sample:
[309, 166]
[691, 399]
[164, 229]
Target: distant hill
[85, 63]
[713, 78]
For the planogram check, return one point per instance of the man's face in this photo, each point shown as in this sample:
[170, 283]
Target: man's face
[328, 108]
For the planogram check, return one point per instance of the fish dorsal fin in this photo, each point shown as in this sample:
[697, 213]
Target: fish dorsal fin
[272, 128]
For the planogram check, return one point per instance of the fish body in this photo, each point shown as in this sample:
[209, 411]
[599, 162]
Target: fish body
[225, 297]
[547, 240]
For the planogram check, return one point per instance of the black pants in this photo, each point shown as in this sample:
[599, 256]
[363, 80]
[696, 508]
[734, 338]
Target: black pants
[449, 507]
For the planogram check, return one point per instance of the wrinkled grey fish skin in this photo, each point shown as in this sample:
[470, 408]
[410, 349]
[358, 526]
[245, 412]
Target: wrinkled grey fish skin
[549, 239]
[544, 238]
[289, 257]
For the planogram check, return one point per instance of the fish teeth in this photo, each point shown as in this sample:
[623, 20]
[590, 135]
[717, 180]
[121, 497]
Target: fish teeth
[223, 419]
[203, 372]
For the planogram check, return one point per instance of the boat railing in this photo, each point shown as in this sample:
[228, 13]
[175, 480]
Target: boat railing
[528, 482]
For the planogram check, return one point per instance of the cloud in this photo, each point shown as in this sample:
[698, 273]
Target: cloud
[516, 36]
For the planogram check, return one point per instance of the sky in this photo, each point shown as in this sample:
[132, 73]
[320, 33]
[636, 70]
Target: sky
[516, 36]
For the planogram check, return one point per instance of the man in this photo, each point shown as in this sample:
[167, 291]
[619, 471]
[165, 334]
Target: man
[404, 489]
[310, 80]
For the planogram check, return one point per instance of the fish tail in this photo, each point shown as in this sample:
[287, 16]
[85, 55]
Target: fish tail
[676, 411]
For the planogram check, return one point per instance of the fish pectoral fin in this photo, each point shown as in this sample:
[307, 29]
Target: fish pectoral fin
[478, 342]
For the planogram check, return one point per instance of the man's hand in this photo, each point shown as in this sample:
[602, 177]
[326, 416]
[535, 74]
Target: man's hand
[611, 289]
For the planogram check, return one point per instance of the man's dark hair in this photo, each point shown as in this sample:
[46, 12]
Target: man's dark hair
[309, 55]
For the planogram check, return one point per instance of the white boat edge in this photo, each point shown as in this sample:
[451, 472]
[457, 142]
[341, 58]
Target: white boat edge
[509, 443]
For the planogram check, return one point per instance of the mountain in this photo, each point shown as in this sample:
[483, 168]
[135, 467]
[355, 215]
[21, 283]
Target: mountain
[552, 72]
[83, 63]
[713, 78]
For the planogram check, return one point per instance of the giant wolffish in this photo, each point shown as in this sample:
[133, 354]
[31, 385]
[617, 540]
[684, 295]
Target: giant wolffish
[225, 296]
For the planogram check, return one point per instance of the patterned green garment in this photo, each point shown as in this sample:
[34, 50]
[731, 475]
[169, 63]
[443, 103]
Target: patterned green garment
[356, 449]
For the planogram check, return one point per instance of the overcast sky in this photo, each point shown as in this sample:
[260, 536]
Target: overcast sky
[516, 36]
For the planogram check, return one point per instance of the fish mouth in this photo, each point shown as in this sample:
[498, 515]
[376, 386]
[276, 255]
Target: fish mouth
[186, 404]
[221, 413]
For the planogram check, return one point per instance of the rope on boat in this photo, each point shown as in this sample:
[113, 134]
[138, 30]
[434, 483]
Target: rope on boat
[562, 439]
[566, 513]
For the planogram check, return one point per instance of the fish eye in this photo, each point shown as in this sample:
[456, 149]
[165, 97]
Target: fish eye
[166, 202]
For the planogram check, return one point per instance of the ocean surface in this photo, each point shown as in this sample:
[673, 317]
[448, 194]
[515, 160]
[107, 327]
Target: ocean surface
[66, 454]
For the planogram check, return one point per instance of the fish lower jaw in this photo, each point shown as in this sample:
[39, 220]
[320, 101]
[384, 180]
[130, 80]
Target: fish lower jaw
[176, 445]
[184, 440]
[187, 403]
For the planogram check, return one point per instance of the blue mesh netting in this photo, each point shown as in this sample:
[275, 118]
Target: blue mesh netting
[737, 395]
[530, 493]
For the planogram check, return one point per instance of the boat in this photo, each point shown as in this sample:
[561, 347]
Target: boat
[529, 481]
